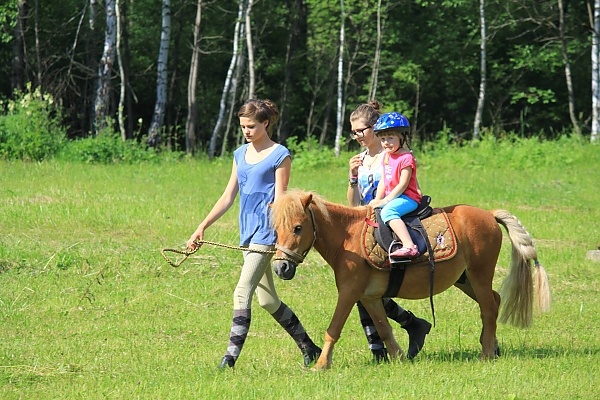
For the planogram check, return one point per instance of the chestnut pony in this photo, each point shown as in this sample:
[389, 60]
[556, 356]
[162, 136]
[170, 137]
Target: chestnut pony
[304, 220]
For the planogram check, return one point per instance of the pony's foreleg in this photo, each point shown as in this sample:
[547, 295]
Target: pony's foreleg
[379, 317]
[334, 331]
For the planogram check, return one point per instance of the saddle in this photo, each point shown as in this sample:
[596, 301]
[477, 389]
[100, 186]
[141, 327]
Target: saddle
[430, 230]
[387, 239]
[377, 238]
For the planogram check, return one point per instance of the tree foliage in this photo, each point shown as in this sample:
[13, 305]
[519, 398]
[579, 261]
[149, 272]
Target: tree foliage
[429, 66]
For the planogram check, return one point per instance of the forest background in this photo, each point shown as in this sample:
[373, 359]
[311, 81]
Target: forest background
[172, 74]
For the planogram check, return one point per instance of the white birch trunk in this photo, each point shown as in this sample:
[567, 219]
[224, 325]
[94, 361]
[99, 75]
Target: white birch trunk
[120, 117]
[481, 99]
[595, 74]
[38, 57]
[101, 102]
[92, 18]
[340, 108]
[222, 104]
[375, 70]
[190, 125]
[565, 54]
[251, 75]
[160, 105]
[237, 78]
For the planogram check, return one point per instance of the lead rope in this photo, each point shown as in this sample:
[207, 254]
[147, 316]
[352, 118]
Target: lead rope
[186, 253]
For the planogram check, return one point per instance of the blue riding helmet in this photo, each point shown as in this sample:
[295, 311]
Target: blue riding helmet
[392, 121]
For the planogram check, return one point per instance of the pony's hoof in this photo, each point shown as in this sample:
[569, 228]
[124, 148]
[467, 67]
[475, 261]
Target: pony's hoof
[321, 367]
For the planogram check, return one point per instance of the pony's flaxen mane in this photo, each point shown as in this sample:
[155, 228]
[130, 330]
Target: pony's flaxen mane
[289, 206]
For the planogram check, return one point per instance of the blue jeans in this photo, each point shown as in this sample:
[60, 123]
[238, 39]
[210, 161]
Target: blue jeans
[397, 208]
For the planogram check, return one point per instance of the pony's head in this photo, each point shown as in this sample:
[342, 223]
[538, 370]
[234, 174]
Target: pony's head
[293, 220]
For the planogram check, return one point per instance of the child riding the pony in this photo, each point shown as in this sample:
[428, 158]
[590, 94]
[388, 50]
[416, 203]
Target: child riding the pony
[398, 193]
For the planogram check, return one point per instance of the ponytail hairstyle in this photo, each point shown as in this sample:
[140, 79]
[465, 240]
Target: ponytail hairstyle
[368, 112]
[261, 111]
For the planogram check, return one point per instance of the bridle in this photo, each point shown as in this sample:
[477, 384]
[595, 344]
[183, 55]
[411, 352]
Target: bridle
[292, 255]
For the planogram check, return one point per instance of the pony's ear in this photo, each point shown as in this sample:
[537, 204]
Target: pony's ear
[306, 201]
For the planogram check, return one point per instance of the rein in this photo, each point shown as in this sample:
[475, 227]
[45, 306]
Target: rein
[186, 253]
[292, 255]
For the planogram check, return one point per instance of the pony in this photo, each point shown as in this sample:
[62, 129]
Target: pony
[304, 220]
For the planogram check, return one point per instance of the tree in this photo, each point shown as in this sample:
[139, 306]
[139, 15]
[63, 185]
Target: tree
[102, 102]
[416, 56]
[482, 82]
[190, 126]
[376, 58]
[18, 64]
[161, 77]
[340, 102]
[250, 48]
[225, 94]
[294, 64]
[595, 79]
[565, 54]
[122, 74]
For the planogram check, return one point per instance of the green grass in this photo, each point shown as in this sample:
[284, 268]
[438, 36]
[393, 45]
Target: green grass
[90, 310]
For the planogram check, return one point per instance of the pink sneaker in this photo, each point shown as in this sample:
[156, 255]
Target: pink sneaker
[406, 252]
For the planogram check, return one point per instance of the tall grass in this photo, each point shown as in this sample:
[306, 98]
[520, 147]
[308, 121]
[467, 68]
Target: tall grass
[90, 310]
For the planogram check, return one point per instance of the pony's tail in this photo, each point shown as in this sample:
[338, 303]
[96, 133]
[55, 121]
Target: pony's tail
[517, 291]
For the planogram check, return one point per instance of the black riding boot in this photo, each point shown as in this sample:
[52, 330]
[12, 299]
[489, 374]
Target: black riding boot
[417, 329]
[292, 325]
[376, 345]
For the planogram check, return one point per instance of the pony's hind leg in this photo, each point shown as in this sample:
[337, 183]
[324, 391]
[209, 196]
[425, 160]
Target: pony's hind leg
[489, 319]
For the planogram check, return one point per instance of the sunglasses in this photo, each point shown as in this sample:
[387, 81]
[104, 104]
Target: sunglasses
[359, 133]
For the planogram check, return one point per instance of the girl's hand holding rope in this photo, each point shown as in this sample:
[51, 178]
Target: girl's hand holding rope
[186, 253]
[197, 243]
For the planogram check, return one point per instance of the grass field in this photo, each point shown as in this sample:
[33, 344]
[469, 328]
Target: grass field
[90, 310]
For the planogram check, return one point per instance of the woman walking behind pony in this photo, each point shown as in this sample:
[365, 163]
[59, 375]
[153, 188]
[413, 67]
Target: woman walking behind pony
[398, 193]
[365, 173]
[260, 173]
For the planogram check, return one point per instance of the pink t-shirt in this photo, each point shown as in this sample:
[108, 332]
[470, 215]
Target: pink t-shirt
[392, 165]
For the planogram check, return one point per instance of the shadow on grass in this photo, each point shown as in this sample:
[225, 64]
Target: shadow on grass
[510, 352]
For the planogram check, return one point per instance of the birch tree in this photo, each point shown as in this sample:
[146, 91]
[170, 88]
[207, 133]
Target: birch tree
[595, 72]
[233, 88]
[340, 108]
[250, 48]
[190, 125]
[375, 69]
[161, 77]
[296, 21]
[121, 107]
[17, 81]
[38, 56]
[565, 54]
[482, 82]
[101, 103]
[228, 80]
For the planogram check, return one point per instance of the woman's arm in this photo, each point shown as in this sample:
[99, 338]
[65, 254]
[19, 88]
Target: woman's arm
[220, 207]
[282, 177]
